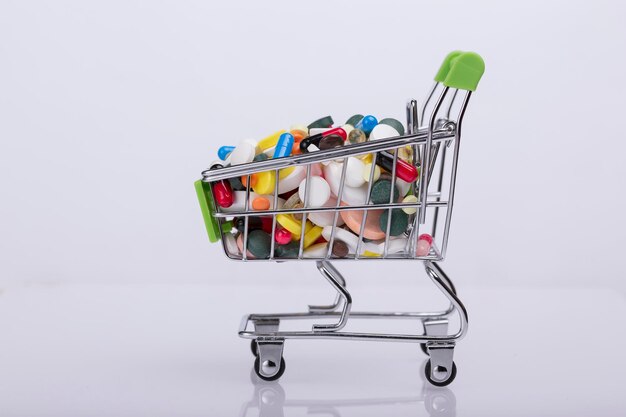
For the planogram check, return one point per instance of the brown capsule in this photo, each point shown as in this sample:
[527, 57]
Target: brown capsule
[340, 249]
[330, 141]
[356, 136]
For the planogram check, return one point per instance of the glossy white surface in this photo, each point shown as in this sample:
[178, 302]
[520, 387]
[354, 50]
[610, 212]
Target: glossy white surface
[96, 350]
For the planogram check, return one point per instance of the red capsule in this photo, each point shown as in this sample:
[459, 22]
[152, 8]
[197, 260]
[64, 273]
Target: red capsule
[404, 170]
[223, 193]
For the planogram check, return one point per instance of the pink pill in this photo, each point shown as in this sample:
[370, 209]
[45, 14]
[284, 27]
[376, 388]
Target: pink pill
[282, 236]
[424, 243]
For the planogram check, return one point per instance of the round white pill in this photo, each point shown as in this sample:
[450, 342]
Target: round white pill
[318, 192]
[382, 131]
[326, 218]
[291, 181]
[243, 153]
[350, 195]
[354, 172]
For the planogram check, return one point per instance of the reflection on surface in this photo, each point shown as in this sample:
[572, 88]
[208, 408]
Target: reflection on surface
[270, 400]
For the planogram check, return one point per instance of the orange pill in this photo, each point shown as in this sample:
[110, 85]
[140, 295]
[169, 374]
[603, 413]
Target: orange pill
[298, 135]
[253, 179]
[261, 203]
[354, 218]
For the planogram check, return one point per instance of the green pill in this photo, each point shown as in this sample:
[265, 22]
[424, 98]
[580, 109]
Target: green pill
[399, 222]
[259, 243]
[290, 250]
[353, 120]
[324, 122]
[261, 157]
[381, 191]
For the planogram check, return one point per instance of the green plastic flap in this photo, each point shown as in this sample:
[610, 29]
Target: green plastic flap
[445, 66]
[465, 72]
[205, 198]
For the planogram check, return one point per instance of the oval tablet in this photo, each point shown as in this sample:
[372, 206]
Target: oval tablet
[395, 245]
[243, 153]
[318, 191]
[325, 218]
[354, 172]
[316, 251]
[382, 131]
[354, 218]
[351, 195]
[291, 181]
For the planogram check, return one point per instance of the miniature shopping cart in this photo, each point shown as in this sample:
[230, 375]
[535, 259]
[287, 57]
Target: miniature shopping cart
[433, 138]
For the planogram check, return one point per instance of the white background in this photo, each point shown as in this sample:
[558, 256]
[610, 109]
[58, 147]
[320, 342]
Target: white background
[109, 110]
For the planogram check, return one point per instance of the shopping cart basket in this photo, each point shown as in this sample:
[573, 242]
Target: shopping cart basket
[428, 142]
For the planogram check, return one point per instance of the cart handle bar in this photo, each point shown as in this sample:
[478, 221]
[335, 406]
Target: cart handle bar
[217, 174]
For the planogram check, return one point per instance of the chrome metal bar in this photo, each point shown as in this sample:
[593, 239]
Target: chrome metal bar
[353, 314]
[245, 221]
[331, 274]
[331, 241]
[412, 127]
[307, 189]
[392, 197]
[439, 188]
[325, 209]
[368, 199]
[428, 98]
[441, 280]
[275, 207]
[455, 162]
[426, 162]
[323, 156]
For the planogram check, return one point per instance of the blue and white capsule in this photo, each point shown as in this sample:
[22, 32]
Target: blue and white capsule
[284, 145]
[224, 151]
[366, 124]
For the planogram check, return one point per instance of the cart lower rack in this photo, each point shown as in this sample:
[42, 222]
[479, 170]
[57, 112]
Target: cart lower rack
[317, 206]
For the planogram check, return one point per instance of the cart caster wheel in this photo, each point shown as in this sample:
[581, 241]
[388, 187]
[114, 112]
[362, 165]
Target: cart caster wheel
[254, 348]
[257, 370]
[440, 383]
[423, 347]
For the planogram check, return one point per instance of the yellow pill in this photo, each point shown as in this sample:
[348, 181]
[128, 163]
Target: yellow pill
[290, 223]
[409, 199]
[265, 183]
[406, 153]
[367, 158]
[270, 141]
[367, 170]
[370, 254]
[284, 173]
[312, 235]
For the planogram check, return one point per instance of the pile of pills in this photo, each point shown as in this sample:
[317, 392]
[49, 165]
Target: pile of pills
[290, 189]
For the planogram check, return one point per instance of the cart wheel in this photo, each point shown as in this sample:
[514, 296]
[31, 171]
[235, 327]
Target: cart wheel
[423, 347]
[440, 383]
[257, 370]
[254, 348]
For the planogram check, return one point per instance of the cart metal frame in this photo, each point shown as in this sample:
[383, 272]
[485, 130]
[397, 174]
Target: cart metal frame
[430, 143]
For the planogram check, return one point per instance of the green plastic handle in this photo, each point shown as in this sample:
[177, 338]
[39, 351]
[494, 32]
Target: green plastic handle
[445, 66]
[205, 198]
[466, 70]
